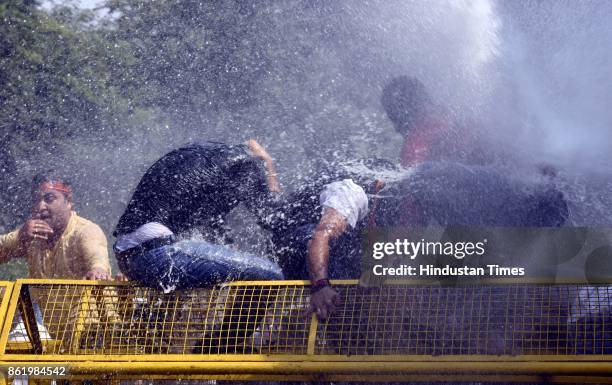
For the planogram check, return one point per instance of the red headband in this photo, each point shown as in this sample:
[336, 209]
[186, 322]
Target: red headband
[55, 185]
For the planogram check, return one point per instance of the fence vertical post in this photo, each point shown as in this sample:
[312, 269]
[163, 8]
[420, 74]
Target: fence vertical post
[29, 319]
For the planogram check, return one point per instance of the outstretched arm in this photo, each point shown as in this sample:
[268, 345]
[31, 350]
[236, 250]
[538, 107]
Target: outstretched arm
[271, 174]
[331, 226]
[324, 297]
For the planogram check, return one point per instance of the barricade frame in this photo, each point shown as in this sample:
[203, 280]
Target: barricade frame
[310, 366]
[4, 304]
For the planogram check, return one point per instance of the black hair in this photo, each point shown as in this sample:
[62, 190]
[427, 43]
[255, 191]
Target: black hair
[404, 98]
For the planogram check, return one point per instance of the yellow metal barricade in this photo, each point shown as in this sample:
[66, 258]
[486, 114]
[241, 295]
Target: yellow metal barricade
[261, 330]
[5, 295]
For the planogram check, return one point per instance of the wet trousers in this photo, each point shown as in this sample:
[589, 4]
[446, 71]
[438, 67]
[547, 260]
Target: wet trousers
[195, 263]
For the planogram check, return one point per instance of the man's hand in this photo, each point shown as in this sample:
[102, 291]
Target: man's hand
[34, 229]
[324, 302]
[98, 274]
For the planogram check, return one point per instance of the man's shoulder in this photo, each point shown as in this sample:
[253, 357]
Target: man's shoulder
[343, 187]
[209, 148]
[86, 226]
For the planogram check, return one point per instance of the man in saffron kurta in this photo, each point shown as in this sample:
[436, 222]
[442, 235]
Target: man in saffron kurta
[55, 241]
[80, 252]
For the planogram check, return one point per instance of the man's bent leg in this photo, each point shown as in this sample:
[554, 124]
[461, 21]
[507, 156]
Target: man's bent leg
[205, 264]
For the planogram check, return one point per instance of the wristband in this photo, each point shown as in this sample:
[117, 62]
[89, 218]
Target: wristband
[319, 284]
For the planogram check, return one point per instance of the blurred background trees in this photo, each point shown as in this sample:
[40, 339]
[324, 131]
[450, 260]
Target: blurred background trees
[55, 83]
[101, 94]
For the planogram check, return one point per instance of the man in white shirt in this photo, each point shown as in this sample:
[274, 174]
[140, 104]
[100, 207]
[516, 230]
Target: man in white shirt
[447, 194]
[320, 234]
[344, 204]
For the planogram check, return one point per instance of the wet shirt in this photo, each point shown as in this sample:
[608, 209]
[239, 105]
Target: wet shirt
[193, 188]
[452, 194]
[143, 234]
[436, 138]
[347, 198]
[80, 248]
[298, 222]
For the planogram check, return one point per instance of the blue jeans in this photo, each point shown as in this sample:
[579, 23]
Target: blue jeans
[196, 263]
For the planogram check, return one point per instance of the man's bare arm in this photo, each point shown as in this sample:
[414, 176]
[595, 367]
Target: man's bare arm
[331, 226]
[271, 174]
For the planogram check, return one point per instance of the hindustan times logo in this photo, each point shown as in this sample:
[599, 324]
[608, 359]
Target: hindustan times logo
[412, 249]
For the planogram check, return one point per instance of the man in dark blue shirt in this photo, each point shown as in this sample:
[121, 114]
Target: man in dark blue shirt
[189, 190]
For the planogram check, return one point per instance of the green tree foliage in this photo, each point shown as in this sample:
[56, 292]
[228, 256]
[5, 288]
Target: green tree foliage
[54, 84]
[282, 67]
[189, 57]
[53, 78]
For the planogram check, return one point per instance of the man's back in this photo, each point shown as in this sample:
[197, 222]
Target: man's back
[457, 195]
[194, 186]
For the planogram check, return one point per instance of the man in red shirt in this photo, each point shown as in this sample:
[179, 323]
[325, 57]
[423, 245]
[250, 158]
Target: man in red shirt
[429, 132]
